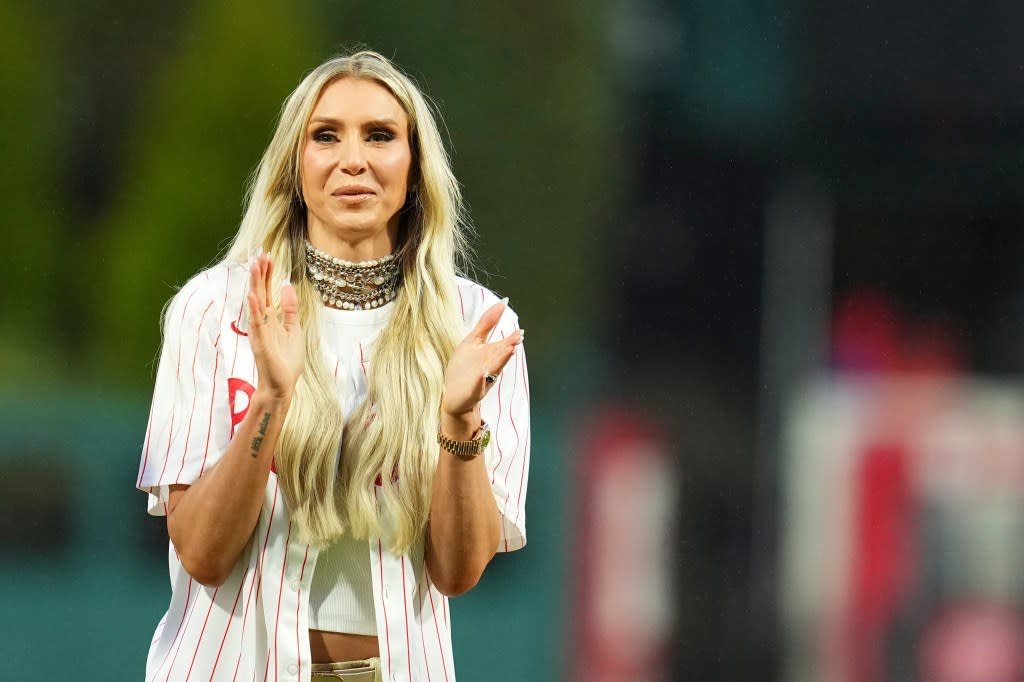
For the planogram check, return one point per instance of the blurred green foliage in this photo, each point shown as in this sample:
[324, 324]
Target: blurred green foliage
[182, 175]
[174, 115]
[31, 126]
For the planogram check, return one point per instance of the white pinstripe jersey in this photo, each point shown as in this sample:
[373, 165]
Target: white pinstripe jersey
[254, 626]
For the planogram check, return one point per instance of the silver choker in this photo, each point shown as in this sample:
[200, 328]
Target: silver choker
[353, 286]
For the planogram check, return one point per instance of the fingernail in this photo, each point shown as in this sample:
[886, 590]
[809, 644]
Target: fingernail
[505, 300]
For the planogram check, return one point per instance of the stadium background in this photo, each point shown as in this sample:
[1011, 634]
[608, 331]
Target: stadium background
[704, 212]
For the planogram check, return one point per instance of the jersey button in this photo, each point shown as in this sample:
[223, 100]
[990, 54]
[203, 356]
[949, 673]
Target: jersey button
[293, 669]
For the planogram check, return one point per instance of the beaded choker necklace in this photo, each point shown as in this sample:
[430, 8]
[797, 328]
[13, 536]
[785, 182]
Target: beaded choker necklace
[353, 286]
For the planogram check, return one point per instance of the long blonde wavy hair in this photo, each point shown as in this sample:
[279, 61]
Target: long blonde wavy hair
[390, 439]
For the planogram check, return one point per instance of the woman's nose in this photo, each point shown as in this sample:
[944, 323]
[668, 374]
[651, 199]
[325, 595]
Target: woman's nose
[352, 159]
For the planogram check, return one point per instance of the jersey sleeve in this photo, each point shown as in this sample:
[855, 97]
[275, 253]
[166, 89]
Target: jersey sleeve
[506, 409]
[189, 420]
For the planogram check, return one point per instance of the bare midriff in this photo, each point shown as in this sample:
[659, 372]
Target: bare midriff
[335, 647]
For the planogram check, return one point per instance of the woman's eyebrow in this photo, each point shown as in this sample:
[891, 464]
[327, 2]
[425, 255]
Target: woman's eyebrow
[374, 123]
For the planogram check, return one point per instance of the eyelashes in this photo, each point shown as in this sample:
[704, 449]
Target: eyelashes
[324, 136]
[328, 135]
[381, 135]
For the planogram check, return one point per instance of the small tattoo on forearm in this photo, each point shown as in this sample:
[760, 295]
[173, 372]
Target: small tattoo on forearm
[258, 440]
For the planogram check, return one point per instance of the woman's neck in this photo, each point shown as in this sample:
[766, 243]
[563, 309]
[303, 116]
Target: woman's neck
[354, 248]
[353, 285]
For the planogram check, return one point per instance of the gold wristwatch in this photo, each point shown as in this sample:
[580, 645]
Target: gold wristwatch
[466, 449]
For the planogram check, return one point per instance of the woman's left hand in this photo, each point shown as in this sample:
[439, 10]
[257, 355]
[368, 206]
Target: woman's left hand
[465, 382]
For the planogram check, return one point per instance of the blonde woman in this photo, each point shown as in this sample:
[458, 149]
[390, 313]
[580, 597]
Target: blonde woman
[339, 435]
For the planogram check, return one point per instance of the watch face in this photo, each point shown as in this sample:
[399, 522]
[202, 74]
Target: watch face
[485, 438]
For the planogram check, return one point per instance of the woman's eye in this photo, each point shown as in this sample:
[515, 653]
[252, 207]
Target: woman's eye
[324, 136]
[381, 136]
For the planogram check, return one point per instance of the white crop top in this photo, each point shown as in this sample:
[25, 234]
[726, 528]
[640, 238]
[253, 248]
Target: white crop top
[341, 593]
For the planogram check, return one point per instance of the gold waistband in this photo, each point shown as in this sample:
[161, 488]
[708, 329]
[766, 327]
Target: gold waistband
[348, 671]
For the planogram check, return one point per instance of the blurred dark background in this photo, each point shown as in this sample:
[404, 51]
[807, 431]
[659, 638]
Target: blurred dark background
[695, 207]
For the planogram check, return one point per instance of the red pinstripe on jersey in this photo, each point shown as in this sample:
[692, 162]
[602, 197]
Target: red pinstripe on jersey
[515, 429]
[177, 633]
[177, 374]
[405, 607]
[298, 605]
[213, 600]
[231, 619]
[277, 616]
[383, 604]
[511, 413]
[238, 340]
[209, 421]
[437, 630]
[497, 424]
[257, 582]
[179, 637]
[423, 641]
[192, 410]
[526, 449]
[145, 449]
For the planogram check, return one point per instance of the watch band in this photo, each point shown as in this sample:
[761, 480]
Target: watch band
[466, 449]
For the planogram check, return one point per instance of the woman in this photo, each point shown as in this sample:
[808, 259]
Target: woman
[339, 435]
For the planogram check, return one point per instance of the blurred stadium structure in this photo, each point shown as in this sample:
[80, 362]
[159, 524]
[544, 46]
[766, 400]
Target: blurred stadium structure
[902, 552]
[786, 239]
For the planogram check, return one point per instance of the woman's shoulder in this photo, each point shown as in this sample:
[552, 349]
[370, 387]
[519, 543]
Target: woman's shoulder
[474, 298]
[219, 287]
[216, 280]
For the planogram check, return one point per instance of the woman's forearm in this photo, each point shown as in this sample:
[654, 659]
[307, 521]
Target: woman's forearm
[211, 521]
[464, 526]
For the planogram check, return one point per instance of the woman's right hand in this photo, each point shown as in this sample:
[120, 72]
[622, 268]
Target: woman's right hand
[278, 345]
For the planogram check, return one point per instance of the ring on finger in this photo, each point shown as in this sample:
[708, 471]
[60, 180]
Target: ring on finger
[490, 378]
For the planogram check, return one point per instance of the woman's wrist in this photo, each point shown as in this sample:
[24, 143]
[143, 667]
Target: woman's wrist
[460, 426]
[265, 399]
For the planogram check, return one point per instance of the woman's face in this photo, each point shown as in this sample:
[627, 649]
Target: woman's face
[356, 162]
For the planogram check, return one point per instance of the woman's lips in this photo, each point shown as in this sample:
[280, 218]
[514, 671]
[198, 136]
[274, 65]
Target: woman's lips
[352, 195]
[353, 198]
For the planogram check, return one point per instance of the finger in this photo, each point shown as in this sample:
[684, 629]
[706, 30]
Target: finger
[254, 277]
[511, 340]
[495, 366]
[501, 352]
[289, 307]
[267, 274]
[257, 313]
[485, 325]
[256, 286]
